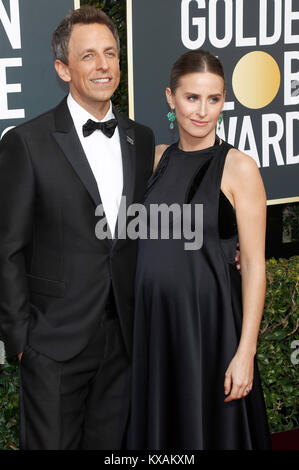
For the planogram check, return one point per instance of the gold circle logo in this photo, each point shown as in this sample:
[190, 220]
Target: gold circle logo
[256, 79]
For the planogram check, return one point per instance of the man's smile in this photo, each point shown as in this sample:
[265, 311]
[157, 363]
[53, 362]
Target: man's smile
[101, 81]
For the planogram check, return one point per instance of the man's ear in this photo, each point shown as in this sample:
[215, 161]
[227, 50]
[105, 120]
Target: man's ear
[169, 98]
[62, 71]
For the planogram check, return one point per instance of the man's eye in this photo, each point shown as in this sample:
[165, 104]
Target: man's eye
[110, 54]
[87, 56]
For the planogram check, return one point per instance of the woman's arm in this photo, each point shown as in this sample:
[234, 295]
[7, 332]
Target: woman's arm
[242, 180]
[160, 149]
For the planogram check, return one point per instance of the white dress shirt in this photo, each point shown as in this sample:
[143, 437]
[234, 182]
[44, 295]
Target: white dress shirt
[104, 157]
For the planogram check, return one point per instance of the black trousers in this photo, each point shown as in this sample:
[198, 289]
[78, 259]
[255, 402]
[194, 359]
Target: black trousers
[82, 403]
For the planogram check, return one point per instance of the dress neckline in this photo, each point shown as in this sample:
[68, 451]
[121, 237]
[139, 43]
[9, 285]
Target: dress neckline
[216, 144]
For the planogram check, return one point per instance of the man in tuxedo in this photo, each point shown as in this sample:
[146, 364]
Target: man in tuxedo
[66, 295]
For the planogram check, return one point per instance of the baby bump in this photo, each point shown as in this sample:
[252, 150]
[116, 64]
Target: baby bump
[163, 263]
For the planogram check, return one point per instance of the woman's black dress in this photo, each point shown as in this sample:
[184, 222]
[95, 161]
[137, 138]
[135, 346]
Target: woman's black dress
[188, 317]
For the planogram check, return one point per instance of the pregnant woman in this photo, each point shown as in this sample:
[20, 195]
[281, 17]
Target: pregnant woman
[195, 376]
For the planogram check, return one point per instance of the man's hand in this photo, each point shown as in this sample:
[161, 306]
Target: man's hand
[238, 258]
[20, 355]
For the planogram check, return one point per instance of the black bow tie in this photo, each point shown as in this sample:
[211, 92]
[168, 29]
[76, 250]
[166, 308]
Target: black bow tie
[107, 127]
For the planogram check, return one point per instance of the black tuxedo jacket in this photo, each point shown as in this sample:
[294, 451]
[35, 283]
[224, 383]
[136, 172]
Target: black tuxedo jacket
[55, 274]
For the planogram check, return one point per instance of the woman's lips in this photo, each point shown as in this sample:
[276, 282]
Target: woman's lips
[199, 123]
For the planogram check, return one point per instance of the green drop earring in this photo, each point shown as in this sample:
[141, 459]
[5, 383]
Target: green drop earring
[171, 118]
[220, 119]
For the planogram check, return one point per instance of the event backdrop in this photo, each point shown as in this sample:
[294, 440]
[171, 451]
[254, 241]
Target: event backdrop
[28, 83]
[258, 44]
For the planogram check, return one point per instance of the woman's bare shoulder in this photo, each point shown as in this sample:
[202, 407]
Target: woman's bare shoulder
[159, 150]
[239, 163]
[242, 177]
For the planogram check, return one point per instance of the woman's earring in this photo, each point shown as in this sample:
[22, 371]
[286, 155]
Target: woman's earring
[220, 119]
[171, 118]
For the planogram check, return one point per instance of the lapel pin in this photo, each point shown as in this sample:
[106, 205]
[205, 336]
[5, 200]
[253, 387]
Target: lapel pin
[131, 141]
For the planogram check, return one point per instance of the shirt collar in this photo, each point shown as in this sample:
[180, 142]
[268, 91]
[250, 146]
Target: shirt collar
[80, 115]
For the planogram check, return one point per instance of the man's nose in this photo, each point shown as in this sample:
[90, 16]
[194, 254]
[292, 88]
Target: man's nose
[102, 62]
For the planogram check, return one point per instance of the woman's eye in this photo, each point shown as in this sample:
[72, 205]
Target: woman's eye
[214, 99]
[191, 98]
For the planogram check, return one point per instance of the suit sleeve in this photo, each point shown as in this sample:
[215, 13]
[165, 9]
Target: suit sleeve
[16, 222]
[153, 144]
[153, 150]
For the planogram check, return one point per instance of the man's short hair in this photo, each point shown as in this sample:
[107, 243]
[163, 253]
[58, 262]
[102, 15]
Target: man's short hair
[83, 15]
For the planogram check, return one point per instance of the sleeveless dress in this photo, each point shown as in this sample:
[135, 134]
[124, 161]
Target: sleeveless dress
[188, 318]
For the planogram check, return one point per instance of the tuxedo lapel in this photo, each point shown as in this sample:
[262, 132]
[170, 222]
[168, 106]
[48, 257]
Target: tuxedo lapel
[69, 142]
[128, 150]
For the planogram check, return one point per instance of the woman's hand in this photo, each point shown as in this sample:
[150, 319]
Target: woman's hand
[239, 377]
